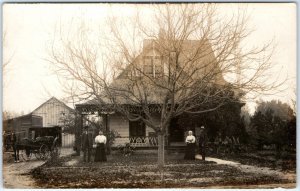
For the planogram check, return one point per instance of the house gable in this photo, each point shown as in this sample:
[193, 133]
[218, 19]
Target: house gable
[196, 61]
[52, 110]
[196, 55]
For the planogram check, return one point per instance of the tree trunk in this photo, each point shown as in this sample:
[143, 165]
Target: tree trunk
[161, 150]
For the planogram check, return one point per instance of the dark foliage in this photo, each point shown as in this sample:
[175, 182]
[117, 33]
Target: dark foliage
[225, 121]
[273, 127]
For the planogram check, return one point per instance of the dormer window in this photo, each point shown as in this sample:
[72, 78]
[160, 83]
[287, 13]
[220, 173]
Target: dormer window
[153, 66]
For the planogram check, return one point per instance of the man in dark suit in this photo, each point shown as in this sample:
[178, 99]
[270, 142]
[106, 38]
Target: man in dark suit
[14, 142]
[202, 141]
[86, 144]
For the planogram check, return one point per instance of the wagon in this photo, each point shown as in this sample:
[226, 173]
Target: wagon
[42, 147]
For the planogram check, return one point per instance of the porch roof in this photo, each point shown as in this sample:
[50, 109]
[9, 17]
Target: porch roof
[93, 106]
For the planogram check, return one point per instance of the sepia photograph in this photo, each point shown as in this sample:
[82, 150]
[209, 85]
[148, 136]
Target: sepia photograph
[149, 95]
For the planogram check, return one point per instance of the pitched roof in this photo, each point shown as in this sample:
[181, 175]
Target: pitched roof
[206, 61]
[195, 55]
[23, 116]
[55, 100]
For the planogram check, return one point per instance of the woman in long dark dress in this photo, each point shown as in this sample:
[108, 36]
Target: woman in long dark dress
[100, 155]
[190, 146]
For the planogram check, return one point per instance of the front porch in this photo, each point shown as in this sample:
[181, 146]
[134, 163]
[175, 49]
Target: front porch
[139, 135]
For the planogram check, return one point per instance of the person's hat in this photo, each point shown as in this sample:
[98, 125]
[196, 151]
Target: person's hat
[202, 127]
[86, 127]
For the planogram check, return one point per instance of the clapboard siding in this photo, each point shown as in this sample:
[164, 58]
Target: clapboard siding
[120, 124]
[52, 111]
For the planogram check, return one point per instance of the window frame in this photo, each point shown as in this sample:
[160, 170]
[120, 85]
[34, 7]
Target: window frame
[153, 65]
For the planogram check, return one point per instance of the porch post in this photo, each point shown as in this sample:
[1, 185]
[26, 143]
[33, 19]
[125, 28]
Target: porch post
[107, 130]
[78, 129]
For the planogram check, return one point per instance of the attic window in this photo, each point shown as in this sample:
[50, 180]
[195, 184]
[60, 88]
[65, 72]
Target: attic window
[148, 66]
[157, 66]
[153, 66]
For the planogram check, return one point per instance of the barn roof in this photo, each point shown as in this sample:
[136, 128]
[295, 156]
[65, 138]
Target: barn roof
[55, 100]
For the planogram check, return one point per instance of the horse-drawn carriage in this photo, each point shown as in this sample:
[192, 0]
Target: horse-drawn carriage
[42, 147]
[42, 143]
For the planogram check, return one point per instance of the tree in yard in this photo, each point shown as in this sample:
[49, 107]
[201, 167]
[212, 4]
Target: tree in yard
[226, 120]
[7, 59]
[68, 123]
[273, 123]
[180, 68]
[280, 109]
[10, 114]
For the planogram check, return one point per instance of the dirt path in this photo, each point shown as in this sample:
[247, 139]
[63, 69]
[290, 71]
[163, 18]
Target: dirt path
[16, 175]
[253, 169]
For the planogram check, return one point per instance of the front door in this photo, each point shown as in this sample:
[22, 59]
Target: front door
[137, 131]
[176, 131]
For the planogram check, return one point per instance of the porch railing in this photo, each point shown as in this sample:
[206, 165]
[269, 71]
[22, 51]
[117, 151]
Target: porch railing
[137, 141]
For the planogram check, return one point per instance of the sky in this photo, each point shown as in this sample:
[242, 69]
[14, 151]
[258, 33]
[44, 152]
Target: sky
[29, 28]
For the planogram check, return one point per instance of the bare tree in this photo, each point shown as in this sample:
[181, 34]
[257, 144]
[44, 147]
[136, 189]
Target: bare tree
[10, 114]
[169, 63]
[5, 61]
[7, 58]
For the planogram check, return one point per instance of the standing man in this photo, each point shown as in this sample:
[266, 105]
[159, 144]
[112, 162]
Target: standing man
[202, 141]
[86, 144]
[15, 147]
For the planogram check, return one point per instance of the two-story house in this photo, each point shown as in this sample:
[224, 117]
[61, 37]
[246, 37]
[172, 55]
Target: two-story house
[155, 64]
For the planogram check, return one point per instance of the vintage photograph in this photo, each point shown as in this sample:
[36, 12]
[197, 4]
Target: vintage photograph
[149, 95]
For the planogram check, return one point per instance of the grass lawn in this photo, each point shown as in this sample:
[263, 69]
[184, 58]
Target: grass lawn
[140, 171]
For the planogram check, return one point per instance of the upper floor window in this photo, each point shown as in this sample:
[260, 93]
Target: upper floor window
[148, 66]
[153, 66]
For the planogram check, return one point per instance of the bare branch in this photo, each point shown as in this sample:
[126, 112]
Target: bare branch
[175, 60]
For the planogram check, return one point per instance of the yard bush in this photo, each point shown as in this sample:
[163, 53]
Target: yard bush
[270, 125]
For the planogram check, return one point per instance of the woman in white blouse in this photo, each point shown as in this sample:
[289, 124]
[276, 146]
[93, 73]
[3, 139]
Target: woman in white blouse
[190, 146]
[100, 141]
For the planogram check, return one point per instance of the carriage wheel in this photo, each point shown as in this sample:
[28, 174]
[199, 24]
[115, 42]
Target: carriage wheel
[44, 152]
[25, 154]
